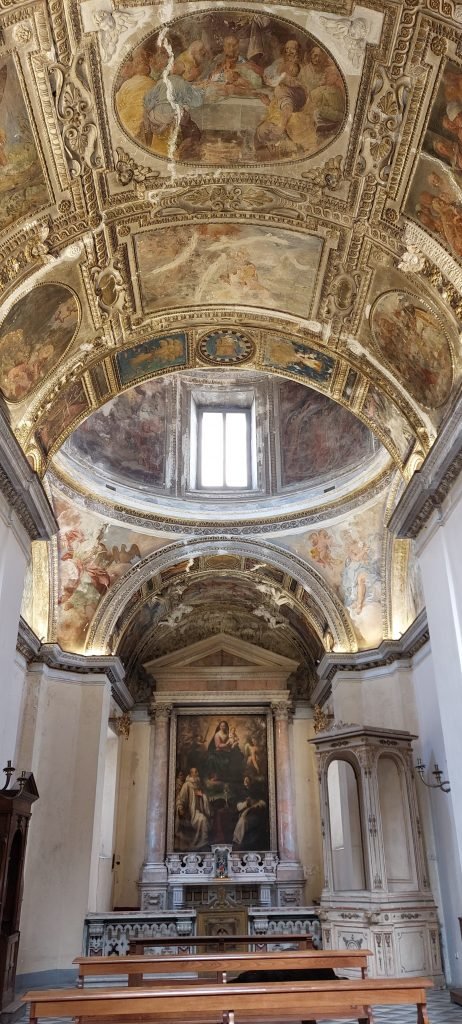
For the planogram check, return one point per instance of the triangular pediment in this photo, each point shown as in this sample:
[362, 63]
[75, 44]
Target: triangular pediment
[222, 651]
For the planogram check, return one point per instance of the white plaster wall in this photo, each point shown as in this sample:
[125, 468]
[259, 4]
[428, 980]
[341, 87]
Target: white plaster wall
[63, 743]
[307, 812]
[383, 697]
[131, 814]
[439, 698]
[438, 818]
[17, 692]
[14, 555]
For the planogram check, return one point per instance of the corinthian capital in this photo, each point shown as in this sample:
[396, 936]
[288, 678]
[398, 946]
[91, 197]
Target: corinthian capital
[280, 711]
[161, 712]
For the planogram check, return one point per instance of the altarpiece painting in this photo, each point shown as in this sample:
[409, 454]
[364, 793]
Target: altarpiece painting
[221, 787]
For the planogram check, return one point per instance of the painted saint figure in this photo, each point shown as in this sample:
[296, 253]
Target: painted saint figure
[193, 813]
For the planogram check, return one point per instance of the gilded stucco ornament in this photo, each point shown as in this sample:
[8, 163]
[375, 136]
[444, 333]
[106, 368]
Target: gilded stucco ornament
[127, 170]
[76, 115]
[384, 119]
[110, 288]
[122, 725]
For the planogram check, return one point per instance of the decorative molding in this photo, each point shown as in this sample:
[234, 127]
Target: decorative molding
[54, 657]
[193, 868]
[22, 488]
[27, 643]
[432, 483]
[387, 653]
[112, 606]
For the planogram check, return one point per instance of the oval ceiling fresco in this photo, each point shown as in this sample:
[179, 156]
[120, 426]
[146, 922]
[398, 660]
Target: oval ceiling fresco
[30, 347]
[412, 340]
[230, 87]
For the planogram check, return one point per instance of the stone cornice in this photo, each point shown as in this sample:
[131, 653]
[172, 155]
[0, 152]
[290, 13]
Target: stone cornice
[431, 484]
[388, 652]
[22, 488]
[94, 664]
[27, 643]
[179, 699]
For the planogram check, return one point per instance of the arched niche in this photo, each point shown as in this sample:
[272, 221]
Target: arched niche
[346, 843]
[396, 824]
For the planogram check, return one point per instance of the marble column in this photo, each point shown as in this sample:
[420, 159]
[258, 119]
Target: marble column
[153, 880]
[289, 868]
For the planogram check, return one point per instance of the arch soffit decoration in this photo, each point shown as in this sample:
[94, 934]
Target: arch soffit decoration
[301, 641]
[199, 570]
[113, 604]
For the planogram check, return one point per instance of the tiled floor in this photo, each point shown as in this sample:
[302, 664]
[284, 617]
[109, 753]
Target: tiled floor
[440, 1011]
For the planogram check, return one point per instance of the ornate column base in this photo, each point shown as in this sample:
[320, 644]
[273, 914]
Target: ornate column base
[290, 884]
[152, 887]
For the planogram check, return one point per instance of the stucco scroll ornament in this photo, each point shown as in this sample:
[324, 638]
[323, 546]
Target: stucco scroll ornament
[383, 124]
[342, 296]
[75, 113]
[110, 289]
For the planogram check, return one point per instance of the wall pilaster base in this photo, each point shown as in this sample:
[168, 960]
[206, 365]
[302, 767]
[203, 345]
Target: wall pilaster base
[152, 887]
[290, 884]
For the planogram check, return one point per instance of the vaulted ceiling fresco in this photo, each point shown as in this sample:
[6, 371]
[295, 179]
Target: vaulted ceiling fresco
[205, 199]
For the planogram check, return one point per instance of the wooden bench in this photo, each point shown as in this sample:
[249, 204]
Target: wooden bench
[218, 966]
[233, 1004]
[223, 942]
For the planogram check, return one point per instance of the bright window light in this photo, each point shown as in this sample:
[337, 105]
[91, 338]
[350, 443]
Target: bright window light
[212, 450]
[224, 448]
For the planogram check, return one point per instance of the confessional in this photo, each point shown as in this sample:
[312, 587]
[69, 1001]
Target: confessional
[15, 811]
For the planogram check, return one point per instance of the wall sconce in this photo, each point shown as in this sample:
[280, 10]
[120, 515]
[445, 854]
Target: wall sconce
[444, 786]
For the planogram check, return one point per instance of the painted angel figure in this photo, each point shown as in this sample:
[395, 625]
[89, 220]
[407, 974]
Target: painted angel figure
[353, 31]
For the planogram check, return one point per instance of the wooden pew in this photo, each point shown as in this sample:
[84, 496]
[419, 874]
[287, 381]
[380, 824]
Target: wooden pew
[233, 1004]
[223, 942]
[217, 965]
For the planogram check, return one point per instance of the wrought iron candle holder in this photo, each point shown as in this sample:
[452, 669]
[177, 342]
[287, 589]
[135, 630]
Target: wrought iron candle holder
[438, 784]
